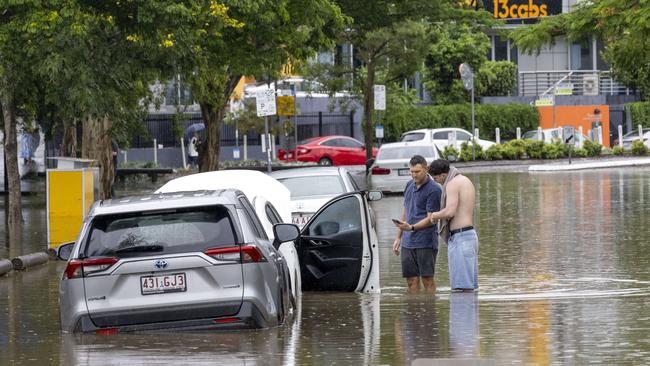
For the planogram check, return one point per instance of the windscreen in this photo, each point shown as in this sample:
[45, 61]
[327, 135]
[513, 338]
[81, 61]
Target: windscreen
[405, 152]
[161, 232]
[315, 185]
[635, 133]
[416, 136]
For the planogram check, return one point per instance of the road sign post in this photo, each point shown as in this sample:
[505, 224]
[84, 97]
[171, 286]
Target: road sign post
[265, 102]
[468, 81]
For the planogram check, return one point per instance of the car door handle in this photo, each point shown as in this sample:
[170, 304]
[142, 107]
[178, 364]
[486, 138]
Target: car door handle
[319, 242]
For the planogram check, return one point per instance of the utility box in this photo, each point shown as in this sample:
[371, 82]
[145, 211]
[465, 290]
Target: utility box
[71, 189]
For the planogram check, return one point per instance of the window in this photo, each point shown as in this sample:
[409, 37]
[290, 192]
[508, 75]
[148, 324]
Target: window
[314, 185]
[405, 152]
[416, 136]
[173, 231]
[342, 215]
[332, 143]
[272, 214]
[581, 56]
[350, 143]
[254, 221]
[353, 182]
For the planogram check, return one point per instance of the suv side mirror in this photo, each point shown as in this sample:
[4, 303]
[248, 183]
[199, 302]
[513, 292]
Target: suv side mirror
[64, 250]
[284, 233]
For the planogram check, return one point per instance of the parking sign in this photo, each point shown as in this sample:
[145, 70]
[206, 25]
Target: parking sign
[265, 100]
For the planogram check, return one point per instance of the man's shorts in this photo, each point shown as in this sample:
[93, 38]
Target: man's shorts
[418, 262]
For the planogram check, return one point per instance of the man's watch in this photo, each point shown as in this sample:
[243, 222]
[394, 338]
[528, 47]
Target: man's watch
[413, 228]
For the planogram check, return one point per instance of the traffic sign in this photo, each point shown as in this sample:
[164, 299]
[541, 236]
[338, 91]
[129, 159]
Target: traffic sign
[380, 97]
[286, 105]
[265, 100]
[467, 75]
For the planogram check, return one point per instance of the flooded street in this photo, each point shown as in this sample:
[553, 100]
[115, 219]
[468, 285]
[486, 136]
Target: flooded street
[564, 276]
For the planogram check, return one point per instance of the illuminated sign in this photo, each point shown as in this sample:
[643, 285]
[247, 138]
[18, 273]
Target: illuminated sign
[522, 9]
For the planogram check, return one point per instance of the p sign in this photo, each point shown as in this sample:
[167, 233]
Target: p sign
[265, 102]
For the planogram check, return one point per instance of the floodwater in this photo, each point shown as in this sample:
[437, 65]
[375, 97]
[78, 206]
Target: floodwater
[564, 274]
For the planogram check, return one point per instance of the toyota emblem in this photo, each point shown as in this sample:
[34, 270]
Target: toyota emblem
[160, 264]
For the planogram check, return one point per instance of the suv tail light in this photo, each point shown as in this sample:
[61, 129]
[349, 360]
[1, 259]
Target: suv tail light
[244, 254]
[380, 171]
[81, 267]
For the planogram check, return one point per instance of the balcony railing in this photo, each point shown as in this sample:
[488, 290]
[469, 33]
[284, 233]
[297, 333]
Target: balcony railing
[582, 82]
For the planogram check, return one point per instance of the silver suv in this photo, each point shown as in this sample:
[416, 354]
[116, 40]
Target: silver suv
[188, 260]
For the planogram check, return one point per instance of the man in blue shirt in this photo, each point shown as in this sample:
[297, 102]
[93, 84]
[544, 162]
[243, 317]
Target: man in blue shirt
[417, 236]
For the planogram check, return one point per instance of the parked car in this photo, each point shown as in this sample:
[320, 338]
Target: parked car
[201, 259]
[633, 135]
[390, 170]
[440, 137]
[330, 150]
[311, 188]
[551, 134]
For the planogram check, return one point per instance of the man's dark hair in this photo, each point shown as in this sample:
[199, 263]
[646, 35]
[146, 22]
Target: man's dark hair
[418, 159]
[439, 166]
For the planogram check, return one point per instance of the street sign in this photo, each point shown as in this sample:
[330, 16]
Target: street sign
[564, 89]
[265, 100]
[380, 97]
[467, 75]
[379, 131]
[286, 105]
[545, 100]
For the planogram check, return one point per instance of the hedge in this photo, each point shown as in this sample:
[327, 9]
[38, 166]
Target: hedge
[488, 117]
[640, 113]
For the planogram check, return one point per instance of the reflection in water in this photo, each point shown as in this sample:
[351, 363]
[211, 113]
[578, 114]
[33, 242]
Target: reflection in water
[464, 324]
[417, 329]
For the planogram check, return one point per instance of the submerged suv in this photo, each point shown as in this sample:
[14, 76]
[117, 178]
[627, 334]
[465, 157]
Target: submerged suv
[191, 260]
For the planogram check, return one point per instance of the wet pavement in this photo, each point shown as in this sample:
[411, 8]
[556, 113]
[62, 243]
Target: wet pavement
[564, 274]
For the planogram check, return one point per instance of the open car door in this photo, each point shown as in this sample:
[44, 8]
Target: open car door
[338, 247]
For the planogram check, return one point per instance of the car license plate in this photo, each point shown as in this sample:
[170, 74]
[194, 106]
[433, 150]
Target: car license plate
[160, 284]
[300, 219]
[403, 172]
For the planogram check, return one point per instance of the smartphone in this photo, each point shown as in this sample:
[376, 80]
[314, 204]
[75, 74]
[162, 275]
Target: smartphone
[397, 222]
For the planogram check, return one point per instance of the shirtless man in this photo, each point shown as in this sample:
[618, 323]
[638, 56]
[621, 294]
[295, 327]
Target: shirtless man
[456, 218]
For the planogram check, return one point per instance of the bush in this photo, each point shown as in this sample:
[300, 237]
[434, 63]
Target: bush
[618, 150]
[534, 149]
[494, 152]
[514, 149]
[554, 150]
[450, 151]
[466, 152]
[580, 152]
[639, 148]
[592, 148]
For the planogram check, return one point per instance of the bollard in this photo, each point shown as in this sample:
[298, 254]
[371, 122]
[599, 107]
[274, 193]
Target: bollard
[29, 260]
[518, 133]
[5, 266]
[497, 134]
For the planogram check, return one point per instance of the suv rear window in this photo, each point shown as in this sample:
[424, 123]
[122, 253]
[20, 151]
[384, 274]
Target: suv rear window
[160, 232]
[415, 136]
[405, 152]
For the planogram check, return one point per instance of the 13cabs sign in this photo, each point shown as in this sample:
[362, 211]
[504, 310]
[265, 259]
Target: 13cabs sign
[522, 9]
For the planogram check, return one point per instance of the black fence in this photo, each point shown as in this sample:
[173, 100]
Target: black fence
[168, 129]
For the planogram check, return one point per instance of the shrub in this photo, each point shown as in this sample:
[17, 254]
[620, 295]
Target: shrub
[618, 150]
[515, 149]
[639, 148]
[450, 151]
[593, 148]
[534, 149]
[554, 150]
[466, 152]
[494, 152]
[579, 152]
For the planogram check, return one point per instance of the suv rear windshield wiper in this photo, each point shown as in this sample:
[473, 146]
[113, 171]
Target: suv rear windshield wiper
[140, 248]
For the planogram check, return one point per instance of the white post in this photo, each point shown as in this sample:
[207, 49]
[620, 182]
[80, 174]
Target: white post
[539, 134]
[125, 156]
[580, 130]
[155, 152]
[245, 147]
[476, 133]
[600, 135]
[183, 154]
[640, 132]
[518, 133]
[263, 141]
[498, 135]
[272, 144]
[620, 135]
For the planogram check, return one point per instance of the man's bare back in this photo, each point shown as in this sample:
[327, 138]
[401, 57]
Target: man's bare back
[461, 197]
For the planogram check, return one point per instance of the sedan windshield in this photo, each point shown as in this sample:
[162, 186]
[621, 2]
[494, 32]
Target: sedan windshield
[405, 152]
[316, 185]
[173, 231]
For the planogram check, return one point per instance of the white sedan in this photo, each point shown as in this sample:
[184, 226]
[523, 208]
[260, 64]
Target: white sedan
[440, 137]
[312, 187]
[390, 170]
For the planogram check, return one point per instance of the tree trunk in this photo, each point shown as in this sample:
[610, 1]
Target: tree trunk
[209, 149]
[14, 214]
[69, 143]
[368, 108]
[96, 145]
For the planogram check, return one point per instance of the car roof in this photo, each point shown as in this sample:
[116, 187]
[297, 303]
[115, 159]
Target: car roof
[160, 201]
[308, 171]
[251, 182]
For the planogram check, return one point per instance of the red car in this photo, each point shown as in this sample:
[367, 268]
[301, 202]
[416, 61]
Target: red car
[330, 150]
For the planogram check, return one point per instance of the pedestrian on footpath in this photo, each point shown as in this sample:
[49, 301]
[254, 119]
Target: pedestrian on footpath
[192, 151]
[416, 236]
[456, 225]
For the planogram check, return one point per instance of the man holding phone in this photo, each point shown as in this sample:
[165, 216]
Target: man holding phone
[417, 236]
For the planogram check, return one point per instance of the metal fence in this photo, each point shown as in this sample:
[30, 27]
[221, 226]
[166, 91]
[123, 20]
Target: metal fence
[582, 82]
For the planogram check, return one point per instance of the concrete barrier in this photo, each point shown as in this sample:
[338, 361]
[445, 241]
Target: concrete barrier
[5, 266]
[29, 260]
